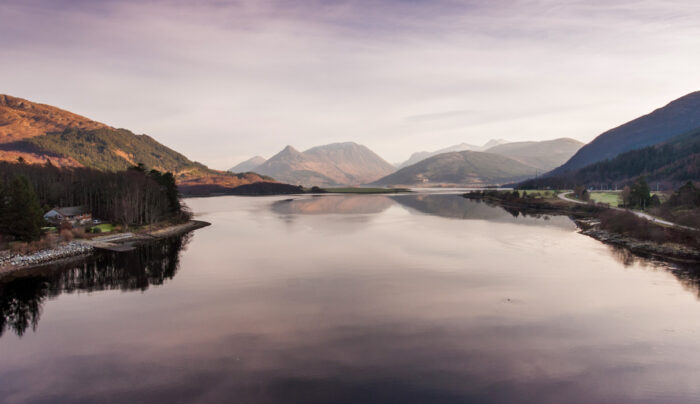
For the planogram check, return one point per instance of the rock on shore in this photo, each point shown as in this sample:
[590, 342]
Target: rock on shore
[63, 251]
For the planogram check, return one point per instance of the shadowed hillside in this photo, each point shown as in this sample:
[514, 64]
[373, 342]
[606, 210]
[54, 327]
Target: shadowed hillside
[678, 117]
[670, 163]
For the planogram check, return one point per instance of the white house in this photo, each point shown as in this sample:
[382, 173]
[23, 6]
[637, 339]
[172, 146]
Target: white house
[72, 214]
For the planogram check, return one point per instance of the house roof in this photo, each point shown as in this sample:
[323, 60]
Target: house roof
[68, 211]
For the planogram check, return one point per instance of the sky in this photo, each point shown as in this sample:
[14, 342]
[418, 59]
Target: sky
[221, 81]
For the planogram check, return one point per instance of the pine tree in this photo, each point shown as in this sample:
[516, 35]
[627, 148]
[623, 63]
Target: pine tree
[22, 215]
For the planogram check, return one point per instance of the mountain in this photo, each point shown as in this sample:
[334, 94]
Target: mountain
[671, 163]
[249, 165]
[419, 156]
[678, 117]
[40, 133]
[334, 164]
[545, 156]
[461, 168]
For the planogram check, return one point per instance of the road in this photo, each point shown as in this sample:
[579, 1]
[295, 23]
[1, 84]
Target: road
[653, 219]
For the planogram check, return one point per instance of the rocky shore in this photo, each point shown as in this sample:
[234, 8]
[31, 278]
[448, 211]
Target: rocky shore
[586, 217]
[10, 262]
[667, 252]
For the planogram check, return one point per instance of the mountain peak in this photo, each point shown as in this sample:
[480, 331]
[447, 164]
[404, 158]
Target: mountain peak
[345, 163]
[289, 149]
[493, 142]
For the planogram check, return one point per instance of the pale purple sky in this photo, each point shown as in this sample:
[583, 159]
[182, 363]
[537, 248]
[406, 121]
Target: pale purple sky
[221, 81]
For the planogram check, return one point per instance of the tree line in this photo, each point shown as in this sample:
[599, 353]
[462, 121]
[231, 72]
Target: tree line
[136, 196]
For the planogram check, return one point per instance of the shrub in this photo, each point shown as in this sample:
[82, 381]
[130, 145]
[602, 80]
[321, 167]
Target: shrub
[66, 235]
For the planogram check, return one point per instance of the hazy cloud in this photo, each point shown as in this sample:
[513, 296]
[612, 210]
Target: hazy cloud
[224, 80]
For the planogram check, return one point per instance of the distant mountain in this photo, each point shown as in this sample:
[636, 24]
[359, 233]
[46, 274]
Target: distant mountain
[678, 117]
[40, 133]
[334, 164]
[249, 165]
[461, 168]
[419, 156]
[545, 156]
[671, 163]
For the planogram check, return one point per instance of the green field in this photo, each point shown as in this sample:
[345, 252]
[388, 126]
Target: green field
[360, 190]
[102, 228]
[611, 198]
[538, 193]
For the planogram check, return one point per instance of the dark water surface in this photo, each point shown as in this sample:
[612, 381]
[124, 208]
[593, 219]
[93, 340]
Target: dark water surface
[407, 298]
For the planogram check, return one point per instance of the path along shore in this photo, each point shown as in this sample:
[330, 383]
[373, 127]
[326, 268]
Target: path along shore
[10, 263]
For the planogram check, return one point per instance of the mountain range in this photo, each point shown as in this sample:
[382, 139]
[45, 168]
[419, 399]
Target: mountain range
[39, 133]
[333, 164]
[460, 168]
[501, 163]
[422, 155]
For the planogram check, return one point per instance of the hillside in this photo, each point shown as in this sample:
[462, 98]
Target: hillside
[41, 133]
[420, 156]
[671, 163]
[335, 164]
[545, 155]
[21, 119]
[460, 168]
[678, 117]
[249, 165]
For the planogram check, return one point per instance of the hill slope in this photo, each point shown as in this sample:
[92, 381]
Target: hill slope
[40, 133]
[671, 163]
[334, 164]
[545, 155]
[678, 117]
[420, 156]
[460, 168]
[249, 165]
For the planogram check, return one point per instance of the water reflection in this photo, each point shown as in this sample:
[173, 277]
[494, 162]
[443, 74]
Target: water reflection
[428, 300]
[333, 204]
[22, 298]
[456, 207]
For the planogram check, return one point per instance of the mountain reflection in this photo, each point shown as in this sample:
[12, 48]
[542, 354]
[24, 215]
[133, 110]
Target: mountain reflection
[333, 204]
[457, 207]
[21, 299]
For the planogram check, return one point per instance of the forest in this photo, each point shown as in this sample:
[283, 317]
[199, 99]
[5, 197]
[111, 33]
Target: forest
[136, 196]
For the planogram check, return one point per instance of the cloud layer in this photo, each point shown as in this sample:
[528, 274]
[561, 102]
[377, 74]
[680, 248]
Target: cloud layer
[221, 80]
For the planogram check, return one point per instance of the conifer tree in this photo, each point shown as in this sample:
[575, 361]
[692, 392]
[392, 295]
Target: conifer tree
[21, 214]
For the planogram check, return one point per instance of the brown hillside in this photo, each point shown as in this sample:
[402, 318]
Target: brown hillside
[21, 119]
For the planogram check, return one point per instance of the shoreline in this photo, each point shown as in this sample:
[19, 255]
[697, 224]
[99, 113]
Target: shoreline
[79, 249]
[586, 220]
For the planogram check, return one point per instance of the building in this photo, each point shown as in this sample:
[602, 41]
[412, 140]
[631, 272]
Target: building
[75, 215]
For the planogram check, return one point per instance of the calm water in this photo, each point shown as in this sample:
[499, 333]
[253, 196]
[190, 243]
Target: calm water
[410, 298]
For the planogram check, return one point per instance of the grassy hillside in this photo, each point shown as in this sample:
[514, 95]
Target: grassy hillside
[39, 133]
[460, 168]
[116, 149]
